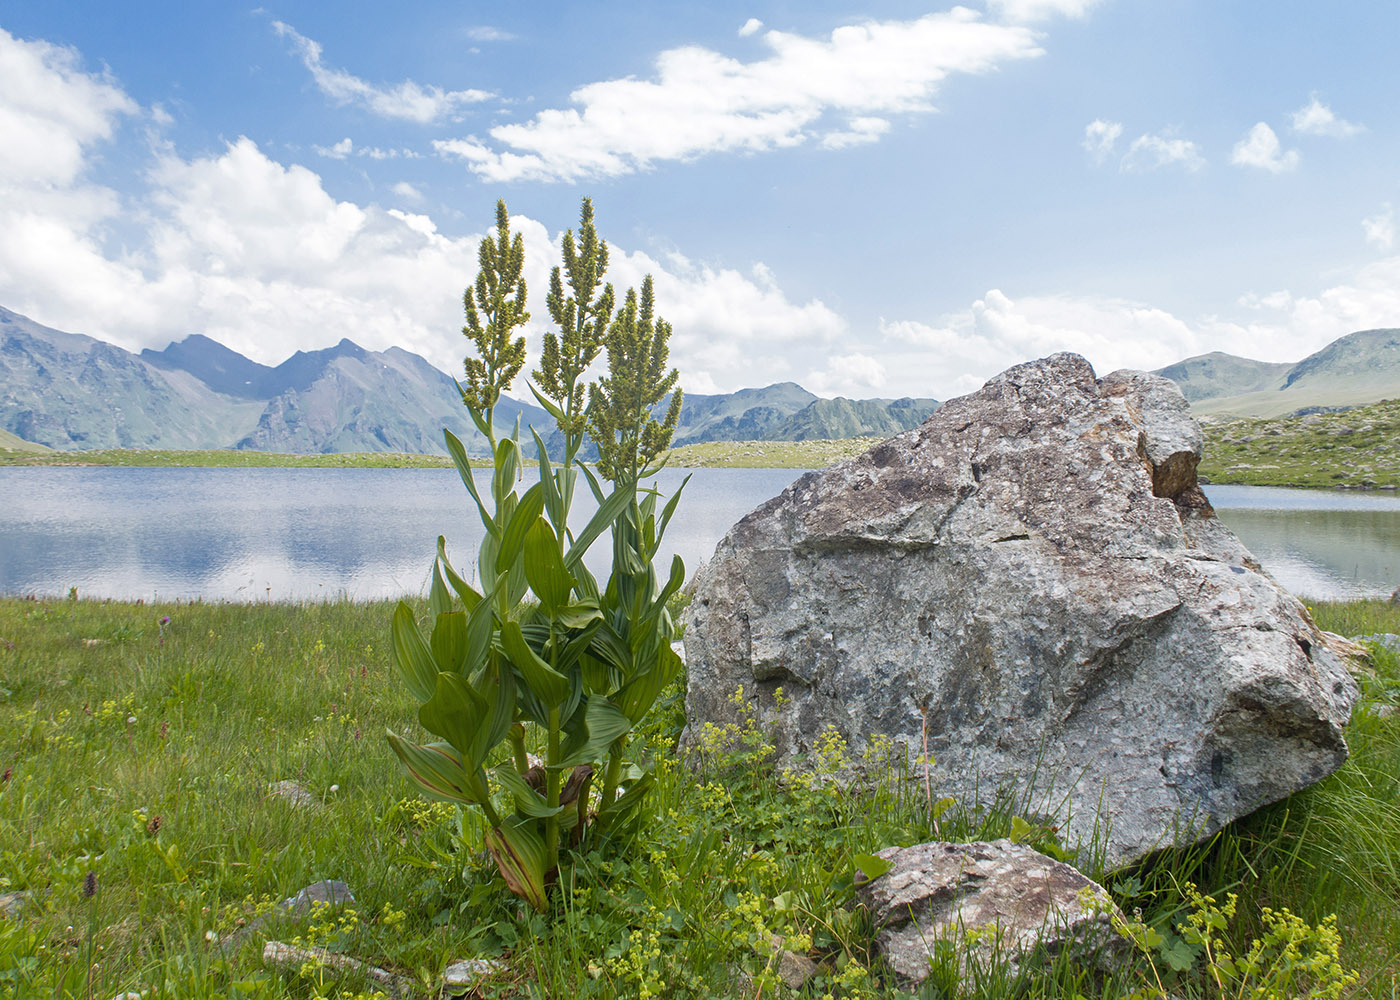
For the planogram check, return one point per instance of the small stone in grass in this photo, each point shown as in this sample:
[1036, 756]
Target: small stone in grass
[468, 973]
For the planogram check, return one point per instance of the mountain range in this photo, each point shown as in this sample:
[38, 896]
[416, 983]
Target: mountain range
[1354, 370]
[69, 391]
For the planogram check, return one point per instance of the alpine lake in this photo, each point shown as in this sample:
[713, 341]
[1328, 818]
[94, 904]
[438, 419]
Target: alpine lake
[287, 534]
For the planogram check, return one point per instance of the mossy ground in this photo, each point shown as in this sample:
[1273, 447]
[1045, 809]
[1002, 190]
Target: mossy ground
[110, 718]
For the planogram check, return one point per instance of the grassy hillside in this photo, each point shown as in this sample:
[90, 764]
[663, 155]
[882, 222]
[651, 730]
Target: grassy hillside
[1351, 448]
[139, 743]
[1360, 368]
[815, 454]
[13, 442]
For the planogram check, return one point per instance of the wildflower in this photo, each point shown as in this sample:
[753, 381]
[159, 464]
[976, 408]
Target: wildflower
[153, 827]
[90, 884]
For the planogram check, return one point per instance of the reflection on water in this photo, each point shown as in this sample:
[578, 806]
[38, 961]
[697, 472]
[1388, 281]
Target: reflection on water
[287, 534]
[1322, 544]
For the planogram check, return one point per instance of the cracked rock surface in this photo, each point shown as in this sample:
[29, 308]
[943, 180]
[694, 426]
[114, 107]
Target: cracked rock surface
[993, 901]
[1035, 576]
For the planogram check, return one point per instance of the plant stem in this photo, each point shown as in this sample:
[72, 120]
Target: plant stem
[517, 743]
[551, 784]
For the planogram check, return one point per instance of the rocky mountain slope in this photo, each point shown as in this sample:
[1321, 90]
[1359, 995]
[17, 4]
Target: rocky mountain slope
[69, 391]
[1354, 370]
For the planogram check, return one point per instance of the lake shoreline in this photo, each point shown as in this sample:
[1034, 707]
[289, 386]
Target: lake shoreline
[800, 455]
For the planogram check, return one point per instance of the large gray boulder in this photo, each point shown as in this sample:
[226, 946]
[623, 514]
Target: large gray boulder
[1033, 575]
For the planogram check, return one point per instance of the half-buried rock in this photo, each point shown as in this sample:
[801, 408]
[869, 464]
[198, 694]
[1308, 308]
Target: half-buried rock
[1034, 576]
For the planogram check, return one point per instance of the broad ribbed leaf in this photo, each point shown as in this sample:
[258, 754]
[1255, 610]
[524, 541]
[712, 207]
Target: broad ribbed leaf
[603, 723]
[436, 768]
[457, 714]
[544, 568]
[549, 405]
[507, 462]
[519, 525]
[449, 641]
[639, 694]
[675, 583]
[439, 600]
[486, 562]
[549, 685]
[546, 683]
[670, 509]
[464, 469]
[479, 625]
[527, 800]
[580, 614]
[627, 804]
[519, 853]
[608, 511]
[464, 590]
[411, 654]
[553, 502]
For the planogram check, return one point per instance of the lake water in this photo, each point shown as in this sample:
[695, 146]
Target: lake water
[295, 534]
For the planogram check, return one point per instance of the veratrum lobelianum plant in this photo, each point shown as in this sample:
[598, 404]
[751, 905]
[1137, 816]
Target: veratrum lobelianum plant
[576, 669]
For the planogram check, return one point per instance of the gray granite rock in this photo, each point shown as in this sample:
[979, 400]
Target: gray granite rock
[294, 794]
[13, 903]
[469, 973]
[285, 955]
[295, 906]
[1386, 640]
[1034, 575]
[994, 902]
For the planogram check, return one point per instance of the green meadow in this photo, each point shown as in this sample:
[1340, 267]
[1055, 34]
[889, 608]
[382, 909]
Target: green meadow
[139, 826]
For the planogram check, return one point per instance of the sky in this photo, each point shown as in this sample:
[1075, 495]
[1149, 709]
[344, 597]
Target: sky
[870, 199]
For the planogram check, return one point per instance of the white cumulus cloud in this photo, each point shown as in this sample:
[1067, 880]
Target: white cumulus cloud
[701, 102]
[1316, 118]
[407, 100]
[750, 27]
[258, 255]
[855, 376]
[1260, 148]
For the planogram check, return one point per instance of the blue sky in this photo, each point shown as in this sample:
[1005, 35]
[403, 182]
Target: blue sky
[881, 199]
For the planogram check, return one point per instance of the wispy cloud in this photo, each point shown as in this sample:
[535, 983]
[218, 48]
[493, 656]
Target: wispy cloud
[1100, 137]
[751, 26]
[406, 100]
[1152, 152]
[1380, 228]
[1316, 118]
[1025, 11]
[1260, 148]
[702, 102]
[346, 148]
[486, 33]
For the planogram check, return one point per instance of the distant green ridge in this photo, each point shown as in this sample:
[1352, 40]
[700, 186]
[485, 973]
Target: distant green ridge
[1355, 370]
[13, 442]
